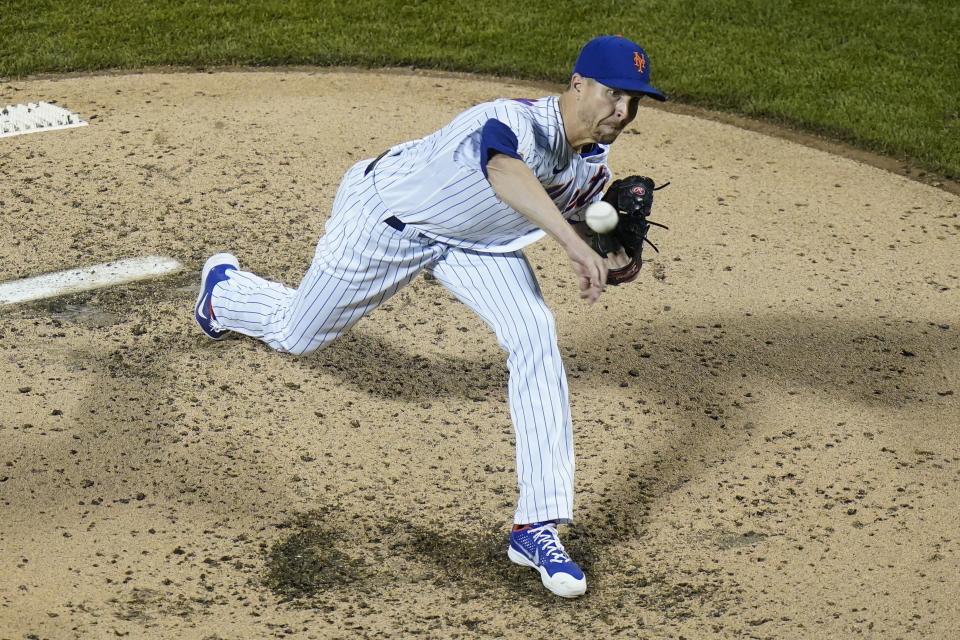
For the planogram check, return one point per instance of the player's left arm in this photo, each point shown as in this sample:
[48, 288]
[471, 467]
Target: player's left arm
[632, 198]
[616, 258]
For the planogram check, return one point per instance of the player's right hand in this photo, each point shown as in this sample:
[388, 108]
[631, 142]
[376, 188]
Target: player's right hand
[590, 269]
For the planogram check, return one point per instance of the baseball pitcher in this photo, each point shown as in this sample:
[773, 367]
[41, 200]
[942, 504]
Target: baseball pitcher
[462, 203]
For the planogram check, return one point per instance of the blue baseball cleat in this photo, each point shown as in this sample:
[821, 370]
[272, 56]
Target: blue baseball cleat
[537, 545]
[214, 272]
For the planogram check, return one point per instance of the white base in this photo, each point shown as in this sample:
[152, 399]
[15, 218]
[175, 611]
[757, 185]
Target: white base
[31, 118]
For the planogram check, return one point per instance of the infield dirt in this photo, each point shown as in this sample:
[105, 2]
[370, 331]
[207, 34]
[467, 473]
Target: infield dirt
[766, 423]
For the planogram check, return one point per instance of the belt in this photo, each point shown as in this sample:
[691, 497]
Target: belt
[396, 223]
[375, 161]
[393, 221]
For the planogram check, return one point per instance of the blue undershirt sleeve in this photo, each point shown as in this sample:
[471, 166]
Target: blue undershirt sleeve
[496, 137]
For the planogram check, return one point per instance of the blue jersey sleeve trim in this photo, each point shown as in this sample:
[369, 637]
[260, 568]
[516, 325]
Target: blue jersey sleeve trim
[496, 137]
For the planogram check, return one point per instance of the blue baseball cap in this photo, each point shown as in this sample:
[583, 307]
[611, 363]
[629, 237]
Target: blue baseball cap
[618, 63]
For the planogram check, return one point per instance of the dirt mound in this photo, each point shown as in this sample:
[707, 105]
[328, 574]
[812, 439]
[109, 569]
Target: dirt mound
[765, 423]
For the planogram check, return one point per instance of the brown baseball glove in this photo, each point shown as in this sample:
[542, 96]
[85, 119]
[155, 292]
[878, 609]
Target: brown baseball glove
[632, 197]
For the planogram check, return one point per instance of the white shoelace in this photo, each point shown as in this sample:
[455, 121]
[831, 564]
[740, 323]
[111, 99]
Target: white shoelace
[546, 538]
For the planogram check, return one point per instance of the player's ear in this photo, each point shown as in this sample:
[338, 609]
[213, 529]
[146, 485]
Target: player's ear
[576, 83]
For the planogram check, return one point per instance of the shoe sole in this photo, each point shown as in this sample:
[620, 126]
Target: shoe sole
[562, 588]
[213, 261]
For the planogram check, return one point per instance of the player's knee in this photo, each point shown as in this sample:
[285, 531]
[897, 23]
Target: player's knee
[301, 350]
[539, 328]
[299, 347]
[542, 320]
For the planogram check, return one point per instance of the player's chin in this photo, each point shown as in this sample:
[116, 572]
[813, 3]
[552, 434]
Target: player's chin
[606, 135]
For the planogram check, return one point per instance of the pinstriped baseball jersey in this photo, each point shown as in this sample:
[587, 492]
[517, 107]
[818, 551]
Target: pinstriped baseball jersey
[437, 183]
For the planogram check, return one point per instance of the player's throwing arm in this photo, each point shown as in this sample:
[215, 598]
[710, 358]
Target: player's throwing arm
[516, 185]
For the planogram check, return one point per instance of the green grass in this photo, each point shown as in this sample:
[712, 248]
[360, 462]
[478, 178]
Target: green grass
[883, 75]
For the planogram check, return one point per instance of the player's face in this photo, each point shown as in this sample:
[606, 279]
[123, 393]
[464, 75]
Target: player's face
[604, 111]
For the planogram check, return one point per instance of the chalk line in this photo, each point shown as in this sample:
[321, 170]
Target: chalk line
[60, 283]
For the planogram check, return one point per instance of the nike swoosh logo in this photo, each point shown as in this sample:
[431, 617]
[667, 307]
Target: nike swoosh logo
[536, 557]
[204, 305]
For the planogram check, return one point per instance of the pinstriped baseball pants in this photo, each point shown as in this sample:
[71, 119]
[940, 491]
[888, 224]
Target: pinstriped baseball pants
[361, 261]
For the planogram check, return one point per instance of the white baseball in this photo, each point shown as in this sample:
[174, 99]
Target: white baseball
[602, 217]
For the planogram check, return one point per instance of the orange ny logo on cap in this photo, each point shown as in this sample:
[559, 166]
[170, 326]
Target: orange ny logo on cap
[640, 61]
